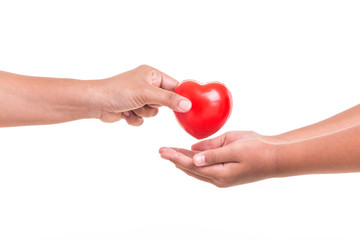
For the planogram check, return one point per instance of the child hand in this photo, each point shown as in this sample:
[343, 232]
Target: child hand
[228, 160]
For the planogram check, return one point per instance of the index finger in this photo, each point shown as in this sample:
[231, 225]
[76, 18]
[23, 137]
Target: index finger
[167, 82]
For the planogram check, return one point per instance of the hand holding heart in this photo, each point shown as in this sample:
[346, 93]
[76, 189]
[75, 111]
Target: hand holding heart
[136, 94]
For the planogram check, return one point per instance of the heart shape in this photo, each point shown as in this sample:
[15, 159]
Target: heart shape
[211, 107]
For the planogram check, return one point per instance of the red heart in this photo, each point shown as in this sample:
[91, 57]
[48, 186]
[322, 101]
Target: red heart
[211, 107]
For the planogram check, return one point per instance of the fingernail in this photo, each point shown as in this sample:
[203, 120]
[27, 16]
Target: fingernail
[185, 105]
[199, 160]
[127, 114]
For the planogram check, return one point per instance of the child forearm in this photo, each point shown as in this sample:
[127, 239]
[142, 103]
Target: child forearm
[338, 152]
[341, 121]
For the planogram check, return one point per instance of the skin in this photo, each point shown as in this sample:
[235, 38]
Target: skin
[133, 95]
[329, 146]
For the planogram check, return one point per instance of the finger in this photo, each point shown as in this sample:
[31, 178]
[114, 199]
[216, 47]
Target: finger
[154, 105]
[146, 111]
[187, 163]
[210, 143]
[214, 156]
[132, 119]
[168, 82]
[176, 157]
[201, 178]
[167, 98]
[162, 92]
[185, 152]
[162, 80]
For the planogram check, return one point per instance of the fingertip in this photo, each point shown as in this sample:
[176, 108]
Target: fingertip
[184, 105]
[162, 149]
[166, 153]
[199, 160]
[155, 112]
[199, 146]
[194, 146]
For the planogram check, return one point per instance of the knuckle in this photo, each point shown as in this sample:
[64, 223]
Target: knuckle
[215, 158]
[154, 77]
[148, 73]
[153, 73]
[143, 67]
[148, 70]
[171, 97]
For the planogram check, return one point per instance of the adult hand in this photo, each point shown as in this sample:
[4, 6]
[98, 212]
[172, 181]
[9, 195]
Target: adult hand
[230, 159]
[136, 94]
[131, 95]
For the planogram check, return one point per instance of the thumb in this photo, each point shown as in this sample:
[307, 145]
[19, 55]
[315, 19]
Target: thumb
[211, 157]
[170, 100]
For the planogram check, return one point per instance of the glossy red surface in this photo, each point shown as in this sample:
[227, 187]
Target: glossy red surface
[211, 107]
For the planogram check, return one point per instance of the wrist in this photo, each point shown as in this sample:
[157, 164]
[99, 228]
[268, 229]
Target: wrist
[271, 159]
[78, 99]
[274, 157]
[91, 98]
[265, 153]
[290, 159]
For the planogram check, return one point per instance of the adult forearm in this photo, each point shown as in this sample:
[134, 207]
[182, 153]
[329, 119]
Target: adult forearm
[338, 152]
[341, 121]
[132, 96]
[26, 100]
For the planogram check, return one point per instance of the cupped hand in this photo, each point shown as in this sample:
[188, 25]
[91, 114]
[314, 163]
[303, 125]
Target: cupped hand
[228, 160]
[136, 94]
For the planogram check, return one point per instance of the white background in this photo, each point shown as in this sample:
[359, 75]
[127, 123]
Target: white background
[287, 64]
